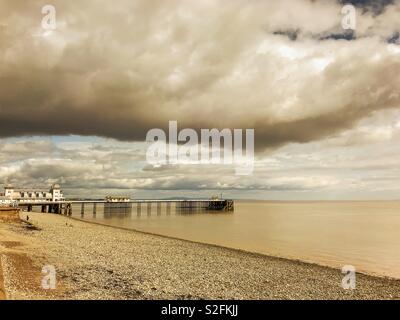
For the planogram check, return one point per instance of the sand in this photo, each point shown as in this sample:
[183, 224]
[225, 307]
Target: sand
[9, 214]
[100, 262]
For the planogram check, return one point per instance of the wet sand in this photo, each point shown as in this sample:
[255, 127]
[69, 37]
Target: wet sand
[100, 262]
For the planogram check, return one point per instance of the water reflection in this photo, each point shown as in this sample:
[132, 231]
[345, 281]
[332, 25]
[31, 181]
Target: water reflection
[121, 210]
[118, 210]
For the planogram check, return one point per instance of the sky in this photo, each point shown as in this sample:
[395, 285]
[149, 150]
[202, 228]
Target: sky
[77, 101]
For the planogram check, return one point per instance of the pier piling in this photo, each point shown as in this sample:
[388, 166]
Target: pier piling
[168, 208]
[148, 208]
[158, 208]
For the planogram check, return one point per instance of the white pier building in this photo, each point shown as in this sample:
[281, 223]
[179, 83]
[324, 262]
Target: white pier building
[33, 195]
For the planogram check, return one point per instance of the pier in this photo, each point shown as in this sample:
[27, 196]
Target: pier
[53, 201]
[92, 206]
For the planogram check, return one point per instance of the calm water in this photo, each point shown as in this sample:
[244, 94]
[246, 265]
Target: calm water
[363, 234]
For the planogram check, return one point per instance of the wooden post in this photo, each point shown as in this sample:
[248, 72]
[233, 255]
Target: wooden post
[168, 207]
[158, 208]
[94, 208]
[69, 209]
[82, 208]
[148, 208]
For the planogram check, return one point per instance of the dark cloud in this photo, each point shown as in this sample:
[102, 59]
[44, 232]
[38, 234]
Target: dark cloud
[345, 35]
[395, 38]
[119, 71]
[376, 6]
[291, 34]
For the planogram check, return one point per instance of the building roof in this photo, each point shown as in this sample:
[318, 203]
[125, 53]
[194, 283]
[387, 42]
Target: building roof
[31, 190]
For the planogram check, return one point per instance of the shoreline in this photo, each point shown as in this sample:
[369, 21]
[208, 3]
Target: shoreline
[97, 261]
[234, 249]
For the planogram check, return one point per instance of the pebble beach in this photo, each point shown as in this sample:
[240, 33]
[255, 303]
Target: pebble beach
[100, 262]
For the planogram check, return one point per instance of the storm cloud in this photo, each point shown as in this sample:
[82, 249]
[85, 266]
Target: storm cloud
[76, 102]
[120, 69]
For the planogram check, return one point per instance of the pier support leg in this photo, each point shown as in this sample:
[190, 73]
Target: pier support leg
[149, 208]
[43, 209]
[53, 208]
[168, 207]
[82, 208]
[139, 209]
[69, 209]
[159, 208]
[94, 208]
